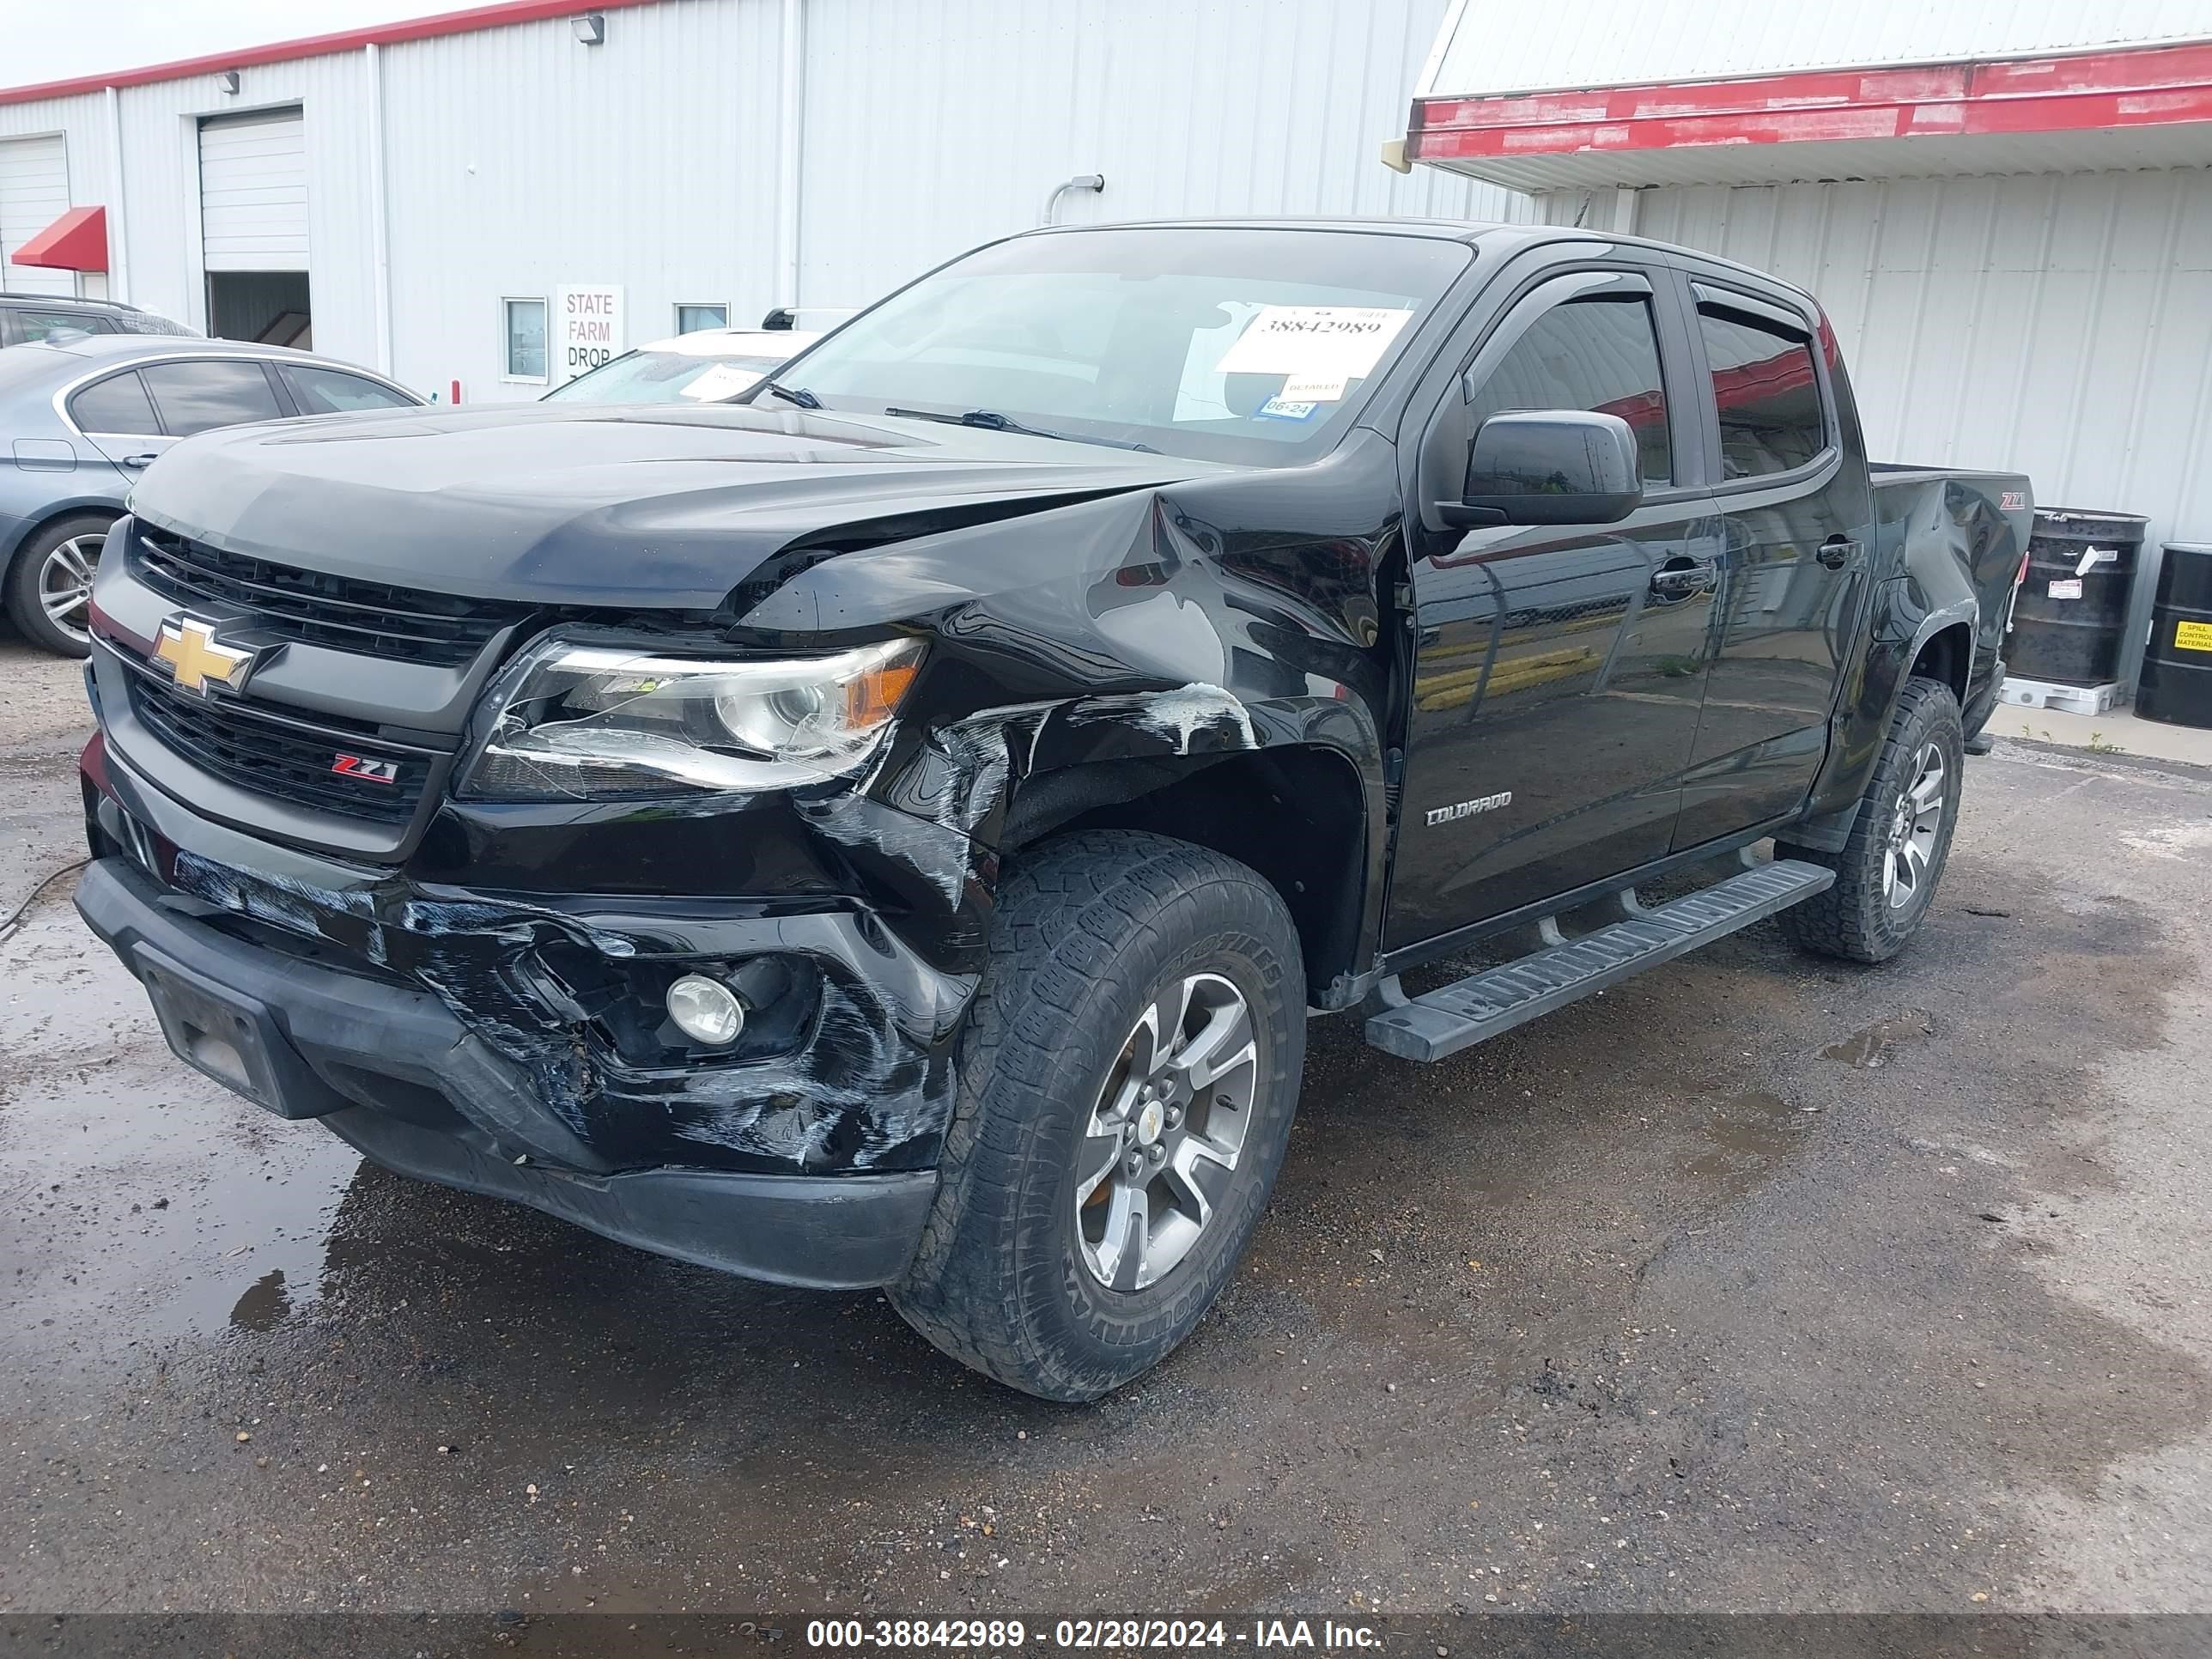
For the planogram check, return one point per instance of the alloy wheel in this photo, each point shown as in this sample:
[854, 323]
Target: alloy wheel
[1164, 1138]
[65, 585]
[1915, 823]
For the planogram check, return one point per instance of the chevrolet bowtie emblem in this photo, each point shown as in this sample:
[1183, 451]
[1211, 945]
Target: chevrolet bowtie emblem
[188, 646]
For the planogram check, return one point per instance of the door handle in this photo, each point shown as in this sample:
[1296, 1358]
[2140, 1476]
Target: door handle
[139, 460]
[1835, 551]
[1682, 577]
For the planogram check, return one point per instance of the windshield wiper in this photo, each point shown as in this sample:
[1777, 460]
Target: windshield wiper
[793, 394]
[991, 421]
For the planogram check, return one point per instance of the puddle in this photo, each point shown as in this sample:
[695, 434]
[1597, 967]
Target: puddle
[265, 1305]
[1748, 1133]
[1879, 1041]
[150, 1204]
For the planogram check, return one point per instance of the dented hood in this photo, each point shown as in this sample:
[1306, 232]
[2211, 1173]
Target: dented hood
[584, 505]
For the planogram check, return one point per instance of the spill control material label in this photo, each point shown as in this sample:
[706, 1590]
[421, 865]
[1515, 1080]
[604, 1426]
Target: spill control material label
[2192, 637]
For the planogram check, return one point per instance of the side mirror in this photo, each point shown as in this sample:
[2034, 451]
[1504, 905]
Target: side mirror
[1549, 466]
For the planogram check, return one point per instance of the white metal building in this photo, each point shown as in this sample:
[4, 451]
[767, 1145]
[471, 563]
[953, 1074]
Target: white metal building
[424, 196]
[2004, 205]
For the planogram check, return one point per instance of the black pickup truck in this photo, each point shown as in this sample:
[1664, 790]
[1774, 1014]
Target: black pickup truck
[893, 832]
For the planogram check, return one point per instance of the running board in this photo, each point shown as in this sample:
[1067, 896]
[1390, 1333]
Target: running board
[1462, 1014]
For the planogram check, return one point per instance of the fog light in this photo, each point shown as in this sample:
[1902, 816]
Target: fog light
[706, 1011]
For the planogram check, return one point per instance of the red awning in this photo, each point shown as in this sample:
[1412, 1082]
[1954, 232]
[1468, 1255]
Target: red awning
[2128, 107]
[75, 241]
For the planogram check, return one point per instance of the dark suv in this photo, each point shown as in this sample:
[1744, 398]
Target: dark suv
[26, 317]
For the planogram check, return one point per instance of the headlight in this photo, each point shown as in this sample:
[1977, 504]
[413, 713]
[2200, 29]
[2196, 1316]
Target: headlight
[585, 720]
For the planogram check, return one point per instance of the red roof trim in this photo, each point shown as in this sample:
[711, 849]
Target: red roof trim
[75, 241]
[2151, 86]
[317, 45]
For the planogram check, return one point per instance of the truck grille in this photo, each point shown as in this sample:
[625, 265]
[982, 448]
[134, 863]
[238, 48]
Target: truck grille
[291, 760]
[369, 619]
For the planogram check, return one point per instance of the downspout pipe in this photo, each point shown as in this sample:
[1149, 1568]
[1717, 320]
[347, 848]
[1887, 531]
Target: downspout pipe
[119, 251]
[379, 237]
[1093, 182]
[791, 117]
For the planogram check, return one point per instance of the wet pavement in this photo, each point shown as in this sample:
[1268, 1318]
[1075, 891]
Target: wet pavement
[1756, 1283]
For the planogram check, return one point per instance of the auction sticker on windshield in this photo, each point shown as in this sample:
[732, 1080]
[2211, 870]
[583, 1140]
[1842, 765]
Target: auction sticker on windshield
[719, 382]
[1317, 344]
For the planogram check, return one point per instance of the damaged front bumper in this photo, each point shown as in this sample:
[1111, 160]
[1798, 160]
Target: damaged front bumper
[511, 1044]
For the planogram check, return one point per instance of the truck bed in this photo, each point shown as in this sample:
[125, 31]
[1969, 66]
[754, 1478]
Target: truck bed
[1981, 519]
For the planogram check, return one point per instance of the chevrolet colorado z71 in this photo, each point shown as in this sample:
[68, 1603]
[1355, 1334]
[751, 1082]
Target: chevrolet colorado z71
[893, 832]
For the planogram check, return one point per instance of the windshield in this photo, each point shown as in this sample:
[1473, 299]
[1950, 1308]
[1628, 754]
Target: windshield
[1228, 343]
[666, 377]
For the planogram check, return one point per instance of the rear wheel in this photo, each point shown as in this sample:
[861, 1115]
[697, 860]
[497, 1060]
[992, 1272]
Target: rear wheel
[1128, 1076]
[49, 584]
[1886, 872]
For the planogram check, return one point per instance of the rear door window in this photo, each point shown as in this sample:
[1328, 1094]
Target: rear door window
[44, 325]
[117, 404]
[331, 391]
[1767, 391]
[198, 397]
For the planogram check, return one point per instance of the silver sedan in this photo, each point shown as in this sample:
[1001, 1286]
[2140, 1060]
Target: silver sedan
[81, 418]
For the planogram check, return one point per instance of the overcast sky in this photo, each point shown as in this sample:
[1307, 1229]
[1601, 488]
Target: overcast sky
[43, 42]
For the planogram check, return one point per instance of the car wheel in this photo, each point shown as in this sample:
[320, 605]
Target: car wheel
[1886, 872]
[1128, 1074]
[49, 584]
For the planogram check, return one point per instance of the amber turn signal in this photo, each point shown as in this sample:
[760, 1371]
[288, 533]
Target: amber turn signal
[872, 697]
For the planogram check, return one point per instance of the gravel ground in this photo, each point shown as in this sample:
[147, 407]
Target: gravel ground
[1756, 1284]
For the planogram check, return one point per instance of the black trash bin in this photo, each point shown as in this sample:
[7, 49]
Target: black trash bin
[2176, 684]
[2071, 616]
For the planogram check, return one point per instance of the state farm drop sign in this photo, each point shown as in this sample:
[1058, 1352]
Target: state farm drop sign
[587, 328]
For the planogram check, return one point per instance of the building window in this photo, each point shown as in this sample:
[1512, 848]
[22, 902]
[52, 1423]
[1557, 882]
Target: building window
[525, 340]
[689, 319]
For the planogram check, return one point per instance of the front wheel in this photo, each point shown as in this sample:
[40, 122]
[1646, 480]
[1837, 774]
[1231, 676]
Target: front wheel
[1127, 1079]
[50, 586]
[1886, 874]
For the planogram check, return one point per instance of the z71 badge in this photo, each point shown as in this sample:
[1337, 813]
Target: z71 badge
[359, 766]
[1467, 809]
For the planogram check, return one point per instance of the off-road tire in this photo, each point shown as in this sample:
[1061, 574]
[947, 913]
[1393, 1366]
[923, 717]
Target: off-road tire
[1854, 918]
[1089, 927]
[24, 609]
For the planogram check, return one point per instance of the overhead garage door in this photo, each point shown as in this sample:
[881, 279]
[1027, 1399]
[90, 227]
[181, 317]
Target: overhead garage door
[254, 191]
[34, 193]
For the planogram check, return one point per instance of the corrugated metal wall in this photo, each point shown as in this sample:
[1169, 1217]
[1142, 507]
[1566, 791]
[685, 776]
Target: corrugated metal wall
[932, 125]
[2057, 323]
[1506, 46]
[518, 161]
